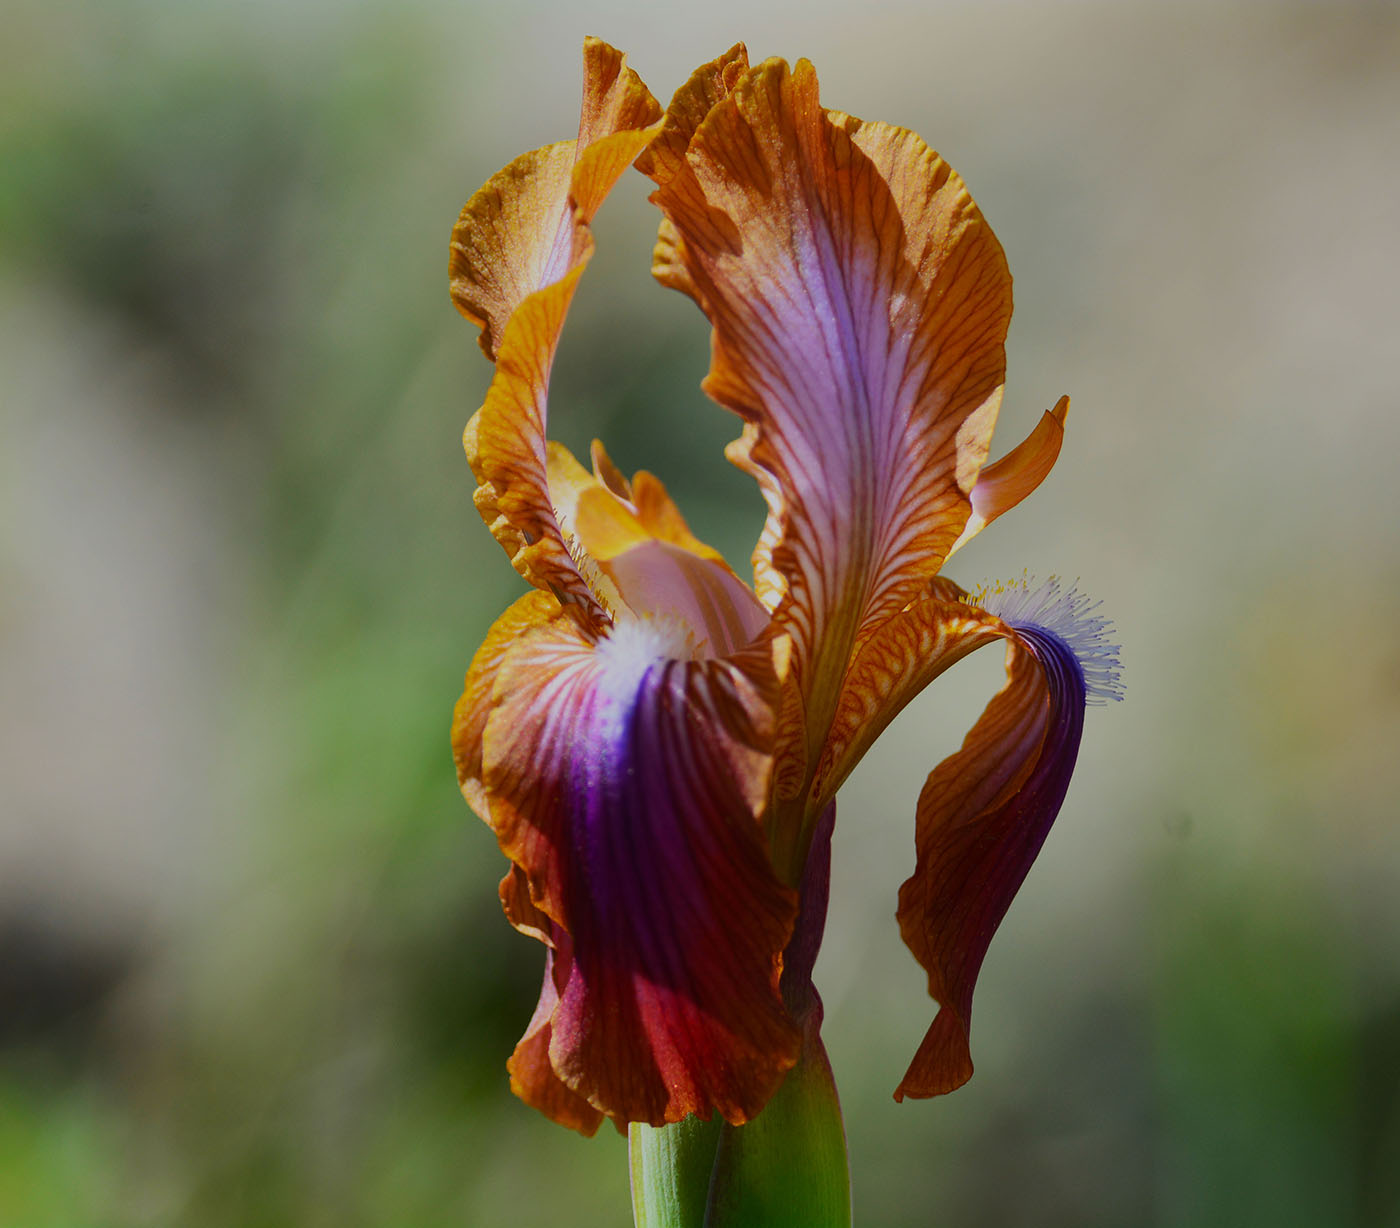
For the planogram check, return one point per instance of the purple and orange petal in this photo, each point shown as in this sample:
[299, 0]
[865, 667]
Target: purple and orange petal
[860, 306]
[628, 785]
[985, 812]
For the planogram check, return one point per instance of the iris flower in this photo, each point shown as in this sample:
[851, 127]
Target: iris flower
[656, 744]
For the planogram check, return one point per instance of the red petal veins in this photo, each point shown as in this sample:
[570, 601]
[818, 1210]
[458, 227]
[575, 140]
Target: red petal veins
[533, 609]
[860, 306]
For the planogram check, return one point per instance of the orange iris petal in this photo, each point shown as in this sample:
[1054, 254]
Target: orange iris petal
[860, 306]
[518, 250]
[533, 609]
[1003, 484]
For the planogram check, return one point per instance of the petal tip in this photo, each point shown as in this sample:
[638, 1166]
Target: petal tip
[942, 1064]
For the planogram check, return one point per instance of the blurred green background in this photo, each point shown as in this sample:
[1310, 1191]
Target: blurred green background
[252, 966]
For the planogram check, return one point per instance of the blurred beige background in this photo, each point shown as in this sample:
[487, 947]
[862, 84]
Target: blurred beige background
[252, 967]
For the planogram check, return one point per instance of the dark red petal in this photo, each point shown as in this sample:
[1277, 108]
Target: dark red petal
[628, 786]
[982, 818]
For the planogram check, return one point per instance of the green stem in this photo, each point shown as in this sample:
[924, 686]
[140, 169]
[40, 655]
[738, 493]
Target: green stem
[671, 1169]
[784, 1169]
[787, 1167]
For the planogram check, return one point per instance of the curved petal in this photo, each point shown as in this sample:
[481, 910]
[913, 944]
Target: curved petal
[640, 556]
[860, 305]
[665, 158]
[628, 786]
[533, 609]
[518, 250]
[892, 667]
[520, 231]
[985, 812]
[662, 518]
[1004, 483]
[532, 1078]
[608, 473]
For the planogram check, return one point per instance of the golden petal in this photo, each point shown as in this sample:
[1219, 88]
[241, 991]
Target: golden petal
[518, 250]
[1004, 483]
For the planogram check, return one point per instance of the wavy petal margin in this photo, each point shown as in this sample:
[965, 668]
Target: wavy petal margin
[907, 653]
[532, 609]
[985, 812]
[517, 252]
[627, 786]
[860, 306]
[532, 1077]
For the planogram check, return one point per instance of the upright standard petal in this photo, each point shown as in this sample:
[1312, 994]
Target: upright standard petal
[518, 250]
[985, 812]
[627, 785]
[860, 306]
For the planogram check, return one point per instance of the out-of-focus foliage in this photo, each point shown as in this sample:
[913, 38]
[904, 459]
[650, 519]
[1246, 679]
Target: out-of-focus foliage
[252, 967]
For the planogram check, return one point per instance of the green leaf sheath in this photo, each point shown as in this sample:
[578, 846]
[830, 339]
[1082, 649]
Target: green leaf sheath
[671, 1169]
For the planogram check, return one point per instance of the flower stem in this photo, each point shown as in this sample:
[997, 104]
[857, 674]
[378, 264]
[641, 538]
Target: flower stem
[671, 1169]
[787, 1167]
[784, 1169]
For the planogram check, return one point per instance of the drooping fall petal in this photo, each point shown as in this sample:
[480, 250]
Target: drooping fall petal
[860, 306]
[985, 812]
[518, 250]
[627, 785]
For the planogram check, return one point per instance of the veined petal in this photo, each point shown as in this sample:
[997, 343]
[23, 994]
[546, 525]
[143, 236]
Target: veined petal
[860, 306]
[519, 231]
[896, 663]
[628, 786]
[985, 812]
[518, 250]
